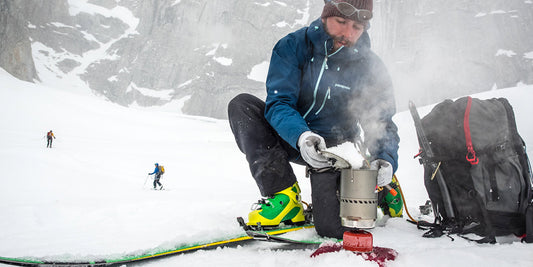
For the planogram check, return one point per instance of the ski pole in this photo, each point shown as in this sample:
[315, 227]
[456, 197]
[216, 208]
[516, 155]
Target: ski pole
[146, 180]
[430, 164]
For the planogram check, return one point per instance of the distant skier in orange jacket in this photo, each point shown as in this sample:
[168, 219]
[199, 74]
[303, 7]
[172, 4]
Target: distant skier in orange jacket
[49, 136]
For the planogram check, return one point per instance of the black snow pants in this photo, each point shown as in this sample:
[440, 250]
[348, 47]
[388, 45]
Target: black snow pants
[269, 158]
[49, 141]
[156, 180]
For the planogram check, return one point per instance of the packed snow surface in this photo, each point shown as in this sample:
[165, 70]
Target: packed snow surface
[90, 195]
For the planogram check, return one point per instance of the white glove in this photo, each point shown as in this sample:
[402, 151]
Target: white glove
[384, 171]
[310, 144]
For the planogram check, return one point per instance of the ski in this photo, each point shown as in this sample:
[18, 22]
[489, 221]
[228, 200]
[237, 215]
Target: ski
[274, 234]
[261, 236]
[238, 240]
[427, 160]
[233, 241]
[260, 233]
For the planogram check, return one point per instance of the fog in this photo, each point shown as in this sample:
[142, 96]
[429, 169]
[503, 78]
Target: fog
[121, 51]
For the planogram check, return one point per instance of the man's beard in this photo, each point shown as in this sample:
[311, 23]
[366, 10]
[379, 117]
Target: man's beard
[336, 38]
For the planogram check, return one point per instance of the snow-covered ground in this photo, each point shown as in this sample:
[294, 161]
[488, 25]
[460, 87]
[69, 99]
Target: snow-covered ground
[89, 194]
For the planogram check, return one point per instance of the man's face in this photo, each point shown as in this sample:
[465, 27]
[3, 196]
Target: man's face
[345, 32]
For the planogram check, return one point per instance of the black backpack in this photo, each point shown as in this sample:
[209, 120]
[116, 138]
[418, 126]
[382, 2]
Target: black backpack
[485, 177]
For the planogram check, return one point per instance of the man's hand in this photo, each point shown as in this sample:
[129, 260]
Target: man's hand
[310, 144]
[384, 171]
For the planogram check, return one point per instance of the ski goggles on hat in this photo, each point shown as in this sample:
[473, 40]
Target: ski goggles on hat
[348, 10]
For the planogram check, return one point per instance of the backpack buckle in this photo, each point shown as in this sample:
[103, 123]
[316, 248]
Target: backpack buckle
[471, 156]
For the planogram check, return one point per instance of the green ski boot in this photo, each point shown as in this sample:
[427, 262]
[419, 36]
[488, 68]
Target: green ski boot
[390, 201]
[285, 206]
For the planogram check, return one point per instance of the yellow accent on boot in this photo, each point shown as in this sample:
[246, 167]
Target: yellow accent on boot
[284, 206]
[393, 200]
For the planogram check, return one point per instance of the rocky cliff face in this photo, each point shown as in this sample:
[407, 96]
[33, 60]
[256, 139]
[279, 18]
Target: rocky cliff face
[444, 49]
[151, 52]
[15, 49]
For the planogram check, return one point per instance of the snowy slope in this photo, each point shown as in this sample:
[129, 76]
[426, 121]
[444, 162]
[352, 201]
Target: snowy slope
[87, 195]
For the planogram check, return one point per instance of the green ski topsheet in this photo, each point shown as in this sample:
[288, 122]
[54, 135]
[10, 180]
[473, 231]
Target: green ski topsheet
[153, 253]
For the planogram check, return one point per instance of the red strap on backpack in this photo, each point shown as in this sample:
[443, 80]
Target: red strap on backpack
[471, 154]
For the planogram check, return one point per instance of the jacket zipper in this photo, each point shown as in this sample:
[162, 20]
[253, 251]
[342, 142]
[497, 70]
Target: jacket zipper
[327, 96]
[324, 67]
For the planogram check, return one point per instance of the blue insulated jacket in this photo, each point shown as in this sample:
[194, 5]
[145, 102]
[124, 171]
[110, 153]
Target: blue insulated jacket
[334, 94]
[156, 170]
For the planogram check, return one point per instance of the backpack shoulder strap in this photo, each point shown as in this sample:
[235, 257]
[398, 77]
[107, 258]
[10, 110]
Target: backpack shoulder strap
[520, 148]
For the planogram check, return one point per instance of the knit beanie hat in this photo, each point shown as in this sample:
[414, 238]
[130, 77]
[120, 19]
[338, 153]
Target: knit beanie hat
[331, 10]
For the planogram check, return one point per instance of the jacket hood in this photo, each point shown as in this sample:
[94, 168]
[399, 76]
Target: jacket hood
[322, 41]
